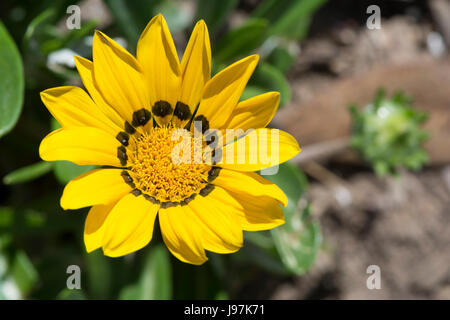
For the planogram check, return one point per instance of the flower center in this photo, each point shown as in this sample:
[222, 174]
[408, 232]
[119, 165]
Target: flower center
[163, 166]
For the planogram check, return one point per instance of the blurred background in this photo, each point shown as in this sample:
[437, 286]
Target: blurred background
[365, 90]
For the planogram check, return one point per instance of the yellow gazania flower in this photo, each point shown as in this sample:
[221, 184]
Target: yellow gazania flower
[125, 125]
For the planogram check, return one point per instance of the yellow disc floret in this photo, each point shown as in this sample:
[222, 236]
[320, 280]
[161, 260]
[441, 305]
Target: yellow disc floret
[157, 173]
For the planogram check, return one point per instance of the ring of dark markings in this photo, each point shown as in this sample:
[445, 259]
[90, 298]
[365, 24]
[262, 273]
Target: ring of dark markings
[213, 155]
[182, 111]
[213, 173]
[162, 108]
[204, 123]
[128, 179]
[122, 155]
[141, 117]
[129, 128]
[123, 138]
[206, 190]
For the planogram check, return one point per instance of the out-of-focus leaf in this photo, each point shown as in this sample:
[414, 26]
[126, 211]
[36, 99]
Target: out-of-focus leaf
[11, 82]
[177, 18]
[299, 239]
[66, 171]
[23, 272]
[215, 12]
[99, 275]
[27, 173]
[43, 18]
[68, 294]
[155, 281]
[6, 218]
[290, 18]
[281, 59]
[270, 78]
[252, 91]
[241, 41]
[125, 19]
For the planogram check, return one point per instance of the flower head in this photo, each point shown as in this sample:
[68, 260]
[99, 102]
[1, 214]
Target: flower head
[158, 126]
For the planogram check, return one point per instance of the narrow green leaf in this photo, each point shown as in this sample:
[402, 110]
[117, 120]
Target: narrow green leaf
[125, 19]
[23, 272]
[241, 41]
[66, 171]
[27, 173]
[289, 19]
[155, 281]
[99, 275]
[215, 12]
[11, 82]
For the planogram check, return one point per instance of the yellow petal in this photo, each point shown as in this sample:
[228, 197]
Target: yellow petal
[129, 225]
[73, 107]
[254, 113]
[80, 145]
[219, 223]
[222, 92]
[101, 186]
[94, 226]
[86, 70]
[196, 71]
[259, 149]
[119, 77]
[181, 235]
[249, 183]
[258, 213]
[157, 54]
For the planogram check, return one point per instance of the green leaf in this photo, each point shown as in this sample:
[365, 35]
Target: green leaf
[281, 59]
[215, 12]
[251, 91]
[27, 173]
[11, 82]
[241, 41]
[299, 239]
[66, 171]
[291, 19]
[125, 19]
[155, 281]
[36, 24]
[271, 79]
[99, 275]
[23, 272]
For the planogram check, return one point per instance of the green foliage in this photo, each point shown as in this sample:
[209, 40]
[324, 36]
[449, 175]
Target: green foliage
[388, 135]
[241, 41]
[215, 12]
[155, 280]
[11, 82]
[299, 240]
[290, 18]
[28, 173]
